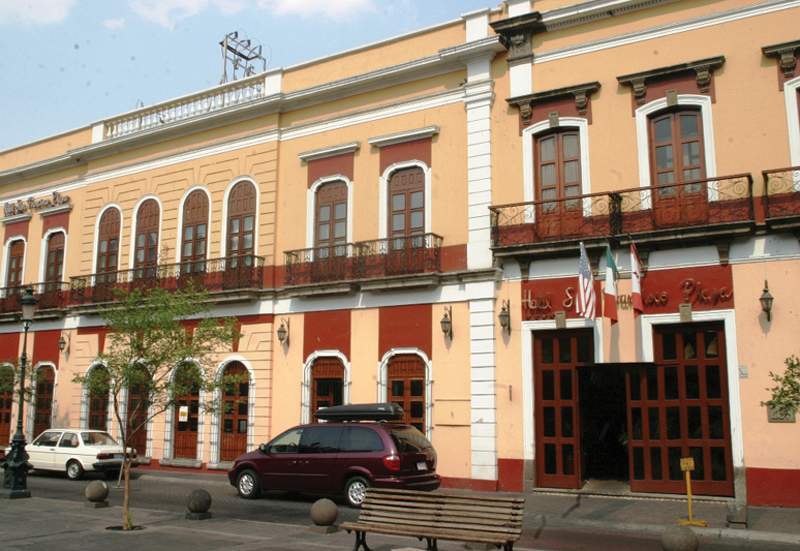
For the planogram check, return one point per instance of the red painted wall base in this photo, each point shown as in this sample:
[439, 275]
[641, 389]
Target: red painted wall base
[773, 487]
[469, 484]
[511, 475]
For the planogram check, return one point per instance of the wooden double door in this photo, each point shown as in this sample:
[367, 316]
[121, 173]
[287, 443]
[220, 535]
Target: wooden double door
[676, 407]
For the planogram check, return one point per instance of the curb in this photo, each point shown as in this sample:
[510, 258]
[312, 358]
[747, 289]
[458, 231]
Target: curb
[730, 534]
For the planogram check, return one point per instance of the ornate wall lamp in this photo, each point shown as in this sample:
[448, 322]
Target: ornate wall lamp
[63, 344]
[766, 300]
[504, 317]
[447, 322]
[283, 332]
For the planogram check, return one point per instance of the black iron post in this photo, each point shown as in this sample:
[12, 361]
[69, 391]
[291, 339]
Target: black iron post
[16, 463]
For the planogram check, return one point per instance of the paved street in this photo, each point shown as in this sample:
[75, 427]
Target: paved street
[275, 522]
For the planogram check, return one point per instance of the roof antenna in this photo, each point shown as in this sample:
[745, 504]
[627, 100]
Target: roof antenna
[240, 58]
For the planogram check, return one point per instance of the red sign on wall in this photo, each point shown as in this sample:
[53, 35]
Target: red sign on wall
[705, 288]
[542, 298]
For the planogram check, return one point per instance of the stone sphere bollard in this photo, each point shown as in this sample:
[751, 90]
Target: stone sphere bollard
[96, 493]
[679, 538]
[324, 513]
[198, 503]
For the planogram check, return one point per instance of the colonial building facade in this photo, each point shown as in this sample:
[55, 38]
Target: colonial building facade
[401, 222]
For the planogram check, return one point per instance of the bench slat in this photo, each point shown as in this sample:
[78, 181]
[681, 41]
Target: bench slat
[494, 515]
[442, 517]
[443, 506]
[450, 494]
[416, 524]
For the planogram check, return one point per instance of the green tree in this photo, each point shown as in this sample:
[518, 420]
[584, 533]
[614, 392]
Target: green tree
[148, 342]
[786, 392]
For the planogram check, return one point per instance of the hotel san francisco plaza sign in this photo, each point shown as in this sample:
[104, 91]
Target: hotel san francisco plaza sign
[30, 205]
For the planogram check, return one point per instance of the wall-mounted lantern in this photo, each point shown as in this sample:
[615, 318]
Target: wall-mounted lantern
[766, 300]
[504, 317]
[447, 322]
[63, 344]
[283, 332]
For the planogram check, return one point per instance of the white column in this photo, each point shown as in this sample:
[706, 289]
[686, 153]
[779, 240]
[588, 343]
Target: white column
[483, 441]
[518, 7]
[520, 71]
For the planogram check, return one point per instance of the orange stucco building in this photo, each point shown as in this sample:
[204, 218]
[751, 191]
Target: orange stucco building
[360, 200]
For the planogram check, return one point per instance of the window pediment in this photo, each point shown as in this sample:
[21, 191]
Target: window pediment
[691, 77]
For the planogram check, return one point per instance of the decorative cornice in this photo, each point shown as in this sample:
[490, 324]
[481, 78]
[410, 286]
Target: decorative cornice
[703, 68]
[402, 137]
[786, 54]
[332, 151]
[580, 92]
[516, 33]
[594, 10]
[16, 218]
[56, 210]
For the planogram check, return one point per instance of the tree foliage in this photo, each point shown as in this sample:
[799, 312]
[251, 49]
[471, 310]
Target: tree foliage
[160, 347]
[786, 392]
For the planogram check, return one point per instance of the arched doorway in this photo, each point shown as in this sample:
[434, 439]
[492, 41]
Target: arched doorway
[234, 415]
[327, 384]
[43, 413]
[6, 401]
[107, 260]
[145, 260]
[240, 239]
[405, 386]
[194, 236]
[98, 398]
[138, 405]
[186, 411]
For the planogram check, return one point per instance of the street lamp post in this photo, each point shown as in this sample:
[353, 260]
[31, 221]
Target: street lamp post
[16, 463]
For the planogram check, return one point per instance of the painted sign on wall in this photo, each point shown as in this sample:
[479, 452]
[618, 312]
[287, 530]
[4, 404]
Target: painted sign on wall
[31, 204]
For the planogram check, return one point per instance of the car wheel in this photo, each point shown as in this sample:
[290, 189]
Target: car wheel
[355, 491]
[248, 485]
[74, 470]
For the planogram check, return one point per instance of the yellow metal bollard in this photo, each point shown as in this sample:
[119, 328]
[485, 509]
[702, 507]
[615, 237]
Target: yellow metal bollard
[687, 466]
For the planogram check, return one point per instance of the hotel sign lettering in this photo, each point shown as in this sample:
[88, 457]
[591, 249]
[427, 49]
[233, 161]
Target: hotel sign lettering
[31, 204]
[542, 299]
[705, 288]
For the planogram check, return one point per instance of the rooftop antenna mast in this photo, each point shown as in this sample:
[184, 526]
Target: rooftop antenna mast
[240, 59]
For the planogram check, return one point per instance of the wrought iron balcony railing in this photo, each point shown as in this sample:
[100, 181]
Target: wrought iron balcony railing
[692, 204]
[394, 256]
[781, 192]
[50, 295]
[213, 275]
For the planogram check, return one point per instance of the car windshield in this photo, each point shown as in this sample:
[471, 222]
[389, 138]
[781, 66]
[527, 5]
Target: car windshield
[409, 439]
[98, 439]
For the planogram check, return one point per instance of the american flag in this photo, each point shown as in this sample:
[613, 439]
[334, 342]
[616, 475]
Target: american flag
[585, 305]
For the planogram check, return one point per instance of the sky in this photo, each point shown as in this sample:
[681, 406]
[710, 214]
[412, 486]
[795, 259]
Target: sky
[68, 63]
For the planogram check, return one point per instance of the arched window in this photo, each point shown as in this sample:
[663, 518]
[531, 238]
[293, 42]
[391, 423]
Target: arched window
[327, 383]
[6, 401]
[54, 265]
[16, 260]
[330, 228]
[234, 414]
[241, 224]
[406, 205]
[43, 413]
[138, 406]
[98, 398]
[145, 257]
[107, 262]
[186, 411]
[405, 383]
[557, 158]
[676, 150]
[194, 236]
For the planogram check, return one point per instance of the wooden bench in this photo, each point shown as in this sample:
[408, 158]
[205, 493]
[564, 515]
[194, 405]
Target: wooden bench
[468, 517]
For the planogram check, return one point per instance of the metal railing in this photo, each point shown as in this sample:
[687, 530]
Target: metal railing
[694, 203]
[186, 107]
[364, 259]
[212, 275]
[50, 295]
[781, 192]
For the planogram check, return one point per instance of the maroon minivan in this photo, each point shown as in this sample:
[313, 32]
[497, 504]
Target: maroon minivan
[357, 447]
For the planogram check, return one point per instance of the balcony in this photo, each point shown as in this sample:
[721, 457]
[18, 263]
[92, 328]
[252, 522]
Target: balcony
[376, 264]
[51, 296]
[782, 197]
[228, 279]
[698, 209]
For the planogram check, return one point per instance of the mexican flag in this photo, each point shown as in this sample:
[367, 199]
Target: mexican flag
[610, 287]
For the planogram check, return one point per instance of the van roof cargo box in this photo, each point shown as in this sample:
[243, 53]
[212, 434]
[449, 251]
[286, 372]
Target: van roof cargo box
[361, 412]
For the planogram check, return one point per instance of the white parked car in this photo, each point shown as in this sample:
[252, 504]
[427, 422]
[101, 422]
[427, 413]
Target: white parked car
[75, 452]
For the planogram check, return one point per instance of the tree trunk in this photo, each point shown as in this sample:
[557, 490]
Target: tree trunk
[127, 524]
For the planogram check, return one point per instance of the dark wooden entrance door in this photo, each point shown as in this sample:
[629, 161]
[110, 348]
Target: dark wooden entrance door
[138, 405]
[185, 416]
[406, 387]
[327, 384]
[98, 402]
[233, 432]
[556, 355]
[43, 413]
[6, 400]
[679, 408]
